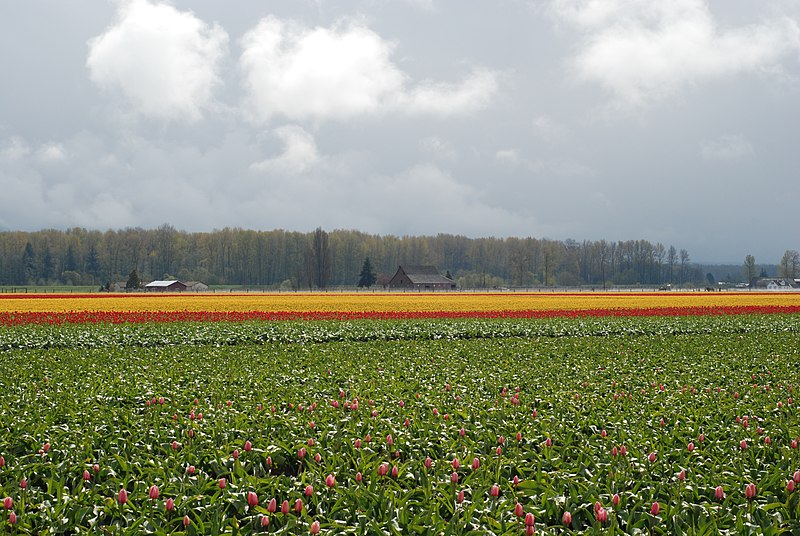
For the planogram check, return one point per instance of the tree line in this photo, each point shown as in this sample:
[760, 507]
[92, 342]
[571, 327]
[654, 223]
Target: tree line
[322, 259]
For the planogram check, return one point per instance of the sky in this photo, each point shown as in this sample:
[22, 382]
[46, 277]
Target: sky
[675, 122]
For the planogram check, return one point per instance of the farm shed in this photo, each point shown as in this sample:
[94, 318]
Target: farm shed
[420, 278]
[165, 286]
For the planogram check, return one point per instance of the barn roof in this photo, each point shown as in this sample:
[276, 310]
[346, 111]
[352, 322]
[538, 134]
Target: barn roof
[162, 284]
[424, 275]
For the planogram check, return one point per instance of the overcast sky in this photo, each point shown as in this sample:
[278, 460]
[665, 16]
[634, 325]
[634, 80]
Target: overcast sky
[672, 121]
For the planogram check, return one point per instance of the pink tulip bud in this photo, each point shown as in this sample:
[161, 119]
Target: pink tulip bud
[2, 462]
[476, 463]
[750, 491]
[368, 438]
[122, 496]
[530, 520]
[317, 457]
[796, 477]
[235, 454]
[790, 486]
[23, 484]
[498, 451]
[359, 477]
[252, 499]
[8, 503]
[655, 508]
[548, 442]
[12, 518]
[603, 433]
[455, 464]
[223, 483]
[652, 457]
[406, 423]
[454, 478]
[186, 521]
[428, 462]
[719, 493]
[153, 493]
[314, 528]
[601, 515]
[518, 511]
[389, 440]
[615, 500]
[272, 506]
[623, 451]
[269, 461]
[285, 507]
[515, 481]
[170, 504]
[460, 497]
[395, 471]
[298, 506]
[494, 491]
[682, 475]
[614, 452]
[248, 446]
[690, 446]
[743, 444]
[566, 519]
[330, 481]
[86, 475]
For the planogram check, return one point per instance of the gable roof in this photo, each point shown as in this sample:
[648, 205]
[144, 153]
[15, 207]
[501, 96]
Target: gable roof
[163, 284]
[425, 275]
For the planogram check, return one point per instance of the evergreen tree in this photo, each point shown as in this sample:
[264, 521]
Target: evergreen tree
[133, 280]
[29, 264]
[367, 277]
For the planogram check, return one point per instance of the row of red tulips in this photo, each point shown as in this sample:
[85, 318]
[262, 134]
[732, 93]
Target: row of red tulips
[138, 317]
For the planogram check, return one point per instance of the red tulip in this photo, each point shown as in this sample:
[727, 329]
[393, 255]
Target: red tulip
[153, 493]
[494, 491]
[170, 504]
[790, 486]
[655, 508]
[190, 470]
[174, 445]
[476, 463]
[223, 483]
[566, 519]
[652, 457]
[330, 481]
[529, 519]
[122, 496]
[455, 464]
[314, 528]
[248, 446]
[8, 503]
[750, 491]
[383, 469]
[615, 500]
[796, 477]
[454, 478]
[428, 462]
[359, 477]
[252, 499]
[460, 497]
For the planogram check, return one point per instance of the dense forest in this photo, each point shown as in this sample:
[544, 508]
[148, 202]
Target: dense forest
[321, 259]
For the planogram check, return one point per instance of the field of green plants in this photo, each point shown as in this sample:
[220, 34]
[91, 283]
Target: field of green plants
[508, 427]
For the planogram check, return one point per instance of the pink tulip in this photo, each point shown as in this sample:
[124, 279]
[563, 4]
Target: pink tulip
[428, 462]
[701, 438]
[317, 457]
[652, 457]
[314, 528]
[603, 433]
[272, 506]
[623, 451]
[566, 519]
[529, 519]
[358, 443]
[174, 445]
[186, 521]
[309, 490]
[368, 438]
[476, 463]
[515, 481]
[743, 444]
[614, 452]
[682, 475]
[8, 503]
[796, 477]
[655, 508]
[615, 500]
[690, 446]
[389, 440]
[548, 442]
[23, 483]
[518, 511]
[301, 453]
[122, 496]
[252, 499]
[455, 464]
[2, 462]
[86, 475]
[285, 507]
[601, 515]
[501, 439]
[498, 451]
[264, 521]
[190, 470]
[790, 486]
[462, 432]
[750, 491]
[719, 493]
[460, 497]
[235, 454]
[298, 506]
[153, 493]
[519, 436]
[359, 477]
[269, 461]
[330, 481]
[494, 491]
[248, 446]
[383, 469]
[170, 504]
[395, 471]
[454, 478]
[223, 483]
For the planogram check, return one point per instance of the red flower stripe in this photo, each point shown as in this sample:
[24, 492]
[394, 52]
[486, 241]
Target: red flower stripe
[136, 317]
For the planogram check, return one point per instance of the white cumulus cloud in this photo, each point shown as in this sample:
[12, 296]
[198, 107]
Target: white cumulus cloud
[163, 61]
[642, 51]
[299, 154]
[342, 72]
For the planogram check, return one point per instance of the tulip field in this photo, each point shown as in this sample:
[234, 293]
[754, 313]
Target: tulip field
[480, 414]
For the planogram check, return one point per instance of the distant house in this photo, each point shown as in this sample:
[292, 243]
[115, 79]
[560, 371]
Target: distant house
[196, 286]
[775, 284]
[165, 286]
[118, 286]
[420, 278]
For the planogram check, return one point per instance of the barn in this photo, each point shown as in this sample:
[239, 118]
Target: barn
[420, 278]
[165, 286]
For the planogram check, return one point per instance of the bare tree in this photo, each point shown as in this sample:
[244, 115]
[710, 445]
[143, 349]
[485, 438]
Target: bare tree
[750, 269]
[789, 264]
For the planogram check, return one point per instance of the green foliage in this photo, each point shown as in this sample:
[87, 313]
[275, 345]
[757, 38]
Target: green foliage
[367, 277]
[93, 394]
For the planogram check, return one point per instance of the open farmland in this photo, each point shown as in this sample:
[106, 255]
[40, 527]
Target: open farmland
[601, 423]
